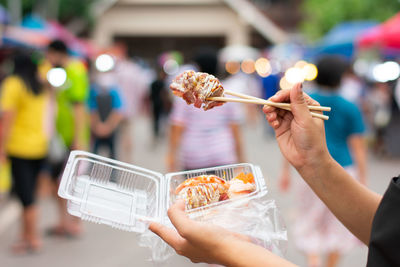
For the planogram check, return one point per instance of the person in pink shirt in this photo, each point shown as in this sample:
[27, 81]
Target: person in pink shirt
[199, 138]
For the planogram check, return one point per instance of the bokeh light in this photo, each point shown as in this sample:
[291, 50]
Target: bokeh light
[310, 72]
[294, 75]
[57, 77]
[300, 64]
[171, 67]
[104, 63]
[263, 67]
[387, 71]
[248, 66]
[232, 67]
[284, 84]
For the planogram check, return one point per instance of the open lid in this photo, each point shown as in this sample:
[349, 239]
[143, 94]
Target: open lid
[111, 192]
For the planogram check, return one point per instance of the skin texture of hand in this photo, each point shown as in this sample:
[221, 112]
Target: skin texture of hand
[197, 241]
[204, 242]
[301, 138]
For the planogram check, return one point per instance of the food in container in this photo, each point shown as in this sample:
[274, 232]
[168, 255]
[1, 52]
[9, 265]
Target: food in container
[207, 189]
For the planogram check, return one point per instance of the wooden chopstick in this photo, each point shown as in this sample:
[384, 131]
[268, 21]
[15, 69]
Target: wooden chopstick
[274, 104]
[285, 106]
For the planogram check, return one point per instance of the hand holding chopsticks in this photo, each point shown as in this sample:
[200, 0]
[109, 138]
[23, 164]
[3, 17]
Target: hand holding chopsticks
[243, 98]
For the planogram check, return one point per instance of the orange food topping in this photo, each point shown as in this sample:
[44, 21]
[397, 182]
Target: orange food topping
[245, 178]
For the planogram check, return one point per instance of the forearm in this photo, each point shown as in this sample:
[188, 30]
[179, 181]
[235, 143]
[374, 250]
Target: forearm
[175, 135]
[245, 254]
[79, 124]
[6, 120]
[114, 120]
[352, 203]
[94, 120]
[358, 148]
[237, 137]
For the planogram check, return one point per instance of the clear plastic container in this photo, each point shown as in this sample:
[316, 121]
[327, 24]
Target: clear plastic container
[124, 196]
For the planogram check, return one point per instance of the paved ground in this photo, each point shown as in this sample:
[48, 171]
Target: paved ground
[102, 246]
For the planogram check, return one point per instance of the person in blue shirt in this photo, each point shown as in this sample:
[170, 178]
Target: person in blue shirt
[316, 231]
[105, 112]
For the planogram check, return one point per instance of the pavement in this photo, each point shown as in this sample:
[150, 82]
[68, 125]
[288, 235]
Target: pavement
[103, 246]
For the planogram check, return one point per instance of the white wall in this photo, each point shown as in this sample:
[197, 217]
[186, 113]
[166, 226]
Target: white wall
[174, 20]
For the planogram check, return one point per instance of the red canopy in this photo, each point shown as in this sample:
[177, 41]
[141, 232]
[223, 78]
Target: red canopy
[385, 35]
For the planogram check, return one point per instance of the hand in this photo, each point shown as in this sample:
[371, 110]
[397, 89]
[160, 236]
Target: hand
[198, 241]
[301, 138]
[102, 130]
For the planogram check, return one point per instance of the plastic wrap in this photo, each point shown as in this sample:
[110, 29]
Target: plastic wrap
[257, 218]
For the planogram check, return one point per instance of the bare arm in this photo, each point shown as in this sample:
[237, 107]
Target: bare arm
[301, 139]
[352, 203]
[237, 136]
[175, 135]
[7, 118]
[113, 120]
[359, 152]
[80, 124]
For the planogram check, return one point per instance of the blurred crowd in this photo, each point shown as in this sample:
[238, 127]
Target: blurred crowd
[52, 103]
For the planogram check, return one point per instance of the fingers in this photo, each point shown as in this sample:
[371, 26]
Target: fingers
[298, 102]
[273, 119]
[281, 96]
[170, 236]
[178, 217]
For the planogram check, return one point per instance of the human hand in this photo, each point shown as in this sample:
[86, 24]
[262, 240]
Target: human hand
[102, 130]
[301, 138]
[198, 241]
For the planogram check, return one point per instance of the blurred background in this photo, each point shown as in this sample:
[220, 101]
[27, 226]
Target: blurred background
[104, 68]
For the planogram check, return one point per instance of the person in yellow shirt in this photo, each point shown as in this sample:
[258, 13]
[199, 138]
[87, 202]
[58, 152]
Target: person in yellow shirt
[24, 142]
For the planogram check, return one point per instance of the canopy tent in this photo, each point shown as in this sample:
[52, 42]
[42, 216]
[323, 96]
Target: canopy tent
[37, 33]
[341, 39]
[385, 36]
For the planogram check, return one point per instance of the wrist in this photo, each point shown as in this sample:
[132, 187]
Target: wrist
[316, 167]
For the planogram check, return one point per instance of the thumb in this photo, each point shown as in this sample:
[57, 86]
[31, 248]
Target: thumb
[298, 102]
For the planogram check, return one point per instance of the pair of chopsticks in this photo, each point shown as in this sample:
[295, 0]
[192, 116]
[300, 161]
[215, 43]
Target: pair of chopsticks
[259, 101]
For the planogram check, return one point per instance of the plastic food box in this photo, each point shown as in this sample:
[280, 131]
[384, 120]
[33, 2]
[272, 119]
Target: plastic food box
[125, 196]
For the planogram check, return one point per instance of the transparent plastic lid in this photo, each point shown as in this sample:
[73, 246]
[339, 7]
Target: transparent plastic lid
[125, 196]
[107, 191]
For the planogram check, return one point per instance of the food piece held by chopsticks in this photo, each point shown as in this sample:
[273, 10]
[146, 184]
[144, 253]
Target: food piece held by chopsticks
[196, 87]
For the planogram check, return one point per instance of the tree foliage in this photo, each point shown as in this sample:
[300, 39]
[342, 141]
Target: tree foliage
[67, 9]
[323, 15]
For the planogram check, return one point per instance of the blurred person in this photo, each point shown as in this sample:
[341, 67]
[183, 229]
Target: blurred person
[160, 102]
[380, 100]
[105, 111]
[204, 139]
[133, 84]
[270, 85]
[248, 84]
[373, 219]
[24, 141]
[316, 230]
[352, 88]
[71, 124]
